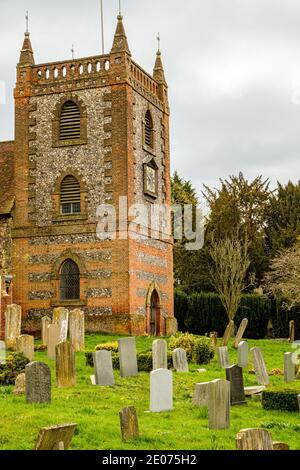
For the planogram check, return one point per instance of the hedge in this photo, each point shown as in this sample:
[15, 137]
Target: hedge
[144, 360]
[285, 400]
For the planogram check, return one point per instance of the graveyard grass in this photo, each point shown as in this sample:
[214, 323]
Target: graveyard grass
[96, 409]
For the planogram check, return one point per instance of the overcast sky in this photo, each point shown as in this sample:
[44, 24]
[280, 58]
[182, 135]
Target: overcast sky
[233, 68]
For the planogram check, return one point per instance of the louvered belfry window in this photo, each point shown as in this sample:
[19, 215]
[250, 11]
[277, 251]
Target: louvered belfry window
[69, 122]
[70, 196]
[69, 281]
[148, 129]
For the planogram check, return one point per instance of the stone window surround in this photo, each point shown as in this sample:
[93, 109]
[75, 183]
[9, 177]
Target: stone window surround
[146, 147]
[56, 142]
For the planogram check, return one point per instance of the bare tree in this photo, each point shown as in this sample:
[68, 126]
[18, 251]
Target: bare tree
[230, 263]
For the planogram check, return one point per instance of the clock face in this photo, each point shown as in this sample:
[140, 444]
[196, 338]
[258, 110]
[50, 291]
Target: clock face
[150, 179]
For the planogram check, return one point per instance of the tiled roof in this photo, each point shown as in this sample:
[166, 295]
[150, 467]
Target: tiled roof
[6, 177]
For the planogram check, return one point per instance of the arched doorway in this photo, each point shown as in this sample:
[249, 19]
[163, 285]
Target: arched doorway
[154, 314]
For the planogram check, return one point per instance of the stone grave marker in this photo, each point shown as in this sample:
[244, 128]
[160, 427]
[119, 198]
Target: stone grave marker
[56, 437]
[25, 345]
[298, 396]
[289, 367]
[20, 385]
[292, 331]
[12, 325]
[77, 330]
[180, 362]
[127, 357]
[280, 446]
[61, 318]
[243, 353]
[234, 374]
[254, 439]
[223, 356]
[38, 383]
[129, 423]
[219, 404]
[46, 321]
[214, 338]
[240, 333]
[53, 340]
[103, 366]
[2, 352]
[159, 354]
[161, 390]
[259, 366]
[254, 390]
[228, 333]
[200, 397]
[65, 365]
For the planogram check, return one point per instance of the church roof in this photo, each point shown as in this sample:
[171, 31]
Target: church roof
[6, 177]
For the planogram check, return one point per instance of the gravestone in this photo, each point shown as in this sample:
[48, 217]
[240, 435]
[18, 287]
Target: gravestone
[65, 365]
[20, 385]
[159, 354]
[180, 362]
[289, 367]
[161, 390]
[200, 397]
[38, 383]
[291, 331]
[228, 333]
[280, 446]
[77, 329]
[240, 333]
[56, 437]
[104, 374]
[2, 352]
[129, 423]
[127, 357]
[223, 356]
[61, 318]
[219, 404]
[53, 340]
[259, 366]
[46, 321]
[13, 315]
[234, 374]
[298, 396]
[243, 353]
[254, 390]
[254, 439]
[25, 345]
[214, 338]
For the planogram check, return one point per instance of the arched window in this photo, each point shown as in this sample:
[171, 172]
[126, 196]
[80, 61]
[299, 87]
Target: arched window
[70, 125]
[149, 129]
[69, 281]
[70, 195]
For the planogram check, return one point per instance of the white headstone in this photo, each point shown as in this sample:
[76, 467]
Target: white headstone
[243, 352]
[289, 367]
[159, 354]
[200, 397]
[13, 315]
[61, 317]
[259, 366]
[161, 390]
[127, 357]
[219, 404]
[180, 362]
[223, 357]
[104, 375]
[46, 321]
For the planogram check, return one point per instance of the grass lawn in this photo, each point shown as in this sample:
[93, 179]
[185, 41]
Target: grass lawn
[96, 409]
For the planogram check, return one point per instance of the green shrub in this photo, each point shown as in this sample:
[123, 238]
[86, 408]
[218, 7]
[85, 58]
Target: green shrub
[203, 351]
[185, 341]
[285, 400]
[197, 349]
[111, 346]
[144, 360]
[14, 365]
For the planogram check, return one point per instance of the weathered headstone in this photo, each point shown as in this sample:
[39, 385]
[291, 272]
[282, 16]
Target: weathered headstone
[129, 423]
[13, 315]
[46, 321]
[292, 331]
[20, 385]
[254, 439]
[219, 404]
[38, 383]
[280, 446]
[223, 356]
[228, 333]
[56, 437]
[289, 367]
[234, 374]
[77, 329]
[127, 357]
[240, 333]
[200, 397]
[161, 390]
[2, 352]
[104, 374]
[298, 396]
[180, 362]
[259, 366]
[65, 365]
[93, 379]
[256, 390]
[243, 353]
[25, 345]
[159, 354]
[214, 338]
[53, 340]
[61, 318]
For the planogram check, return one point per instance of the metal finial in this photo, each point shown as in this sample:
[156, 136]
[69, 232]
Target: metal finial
[72, 51]
[158, 42]
[27, 22]
[120, 9]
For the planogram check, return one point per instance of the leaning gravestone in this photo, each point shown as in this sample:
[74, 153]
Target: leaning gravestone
[20, 385]
[240, 333]
[65, 365]
[2, 352]
[289, 367]
[298, 396]
[53, 339]
[234, 375]
[46, 321]
[61, 318]
[56, 437]
[254, 439]
[129, 423]
[13, 315]
[223, 356]
[243, 353]
[159, 354]
[219, 404]
[292, 331]
[200, 397]
[180, 362]
[259, 366]
[38, 383]
[228, 333]
[25, 345]
[104, 374]
[161, 390]
[77, 329]
[127, 357]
